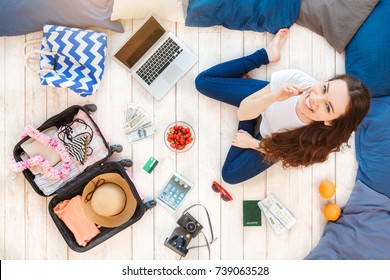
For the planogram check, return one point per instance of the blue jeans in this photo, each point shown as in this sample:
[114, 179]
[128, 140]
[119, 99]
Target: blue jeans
[223, 82]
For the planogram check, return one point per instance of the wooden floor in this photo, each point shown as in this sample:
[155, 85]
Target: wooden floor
[27, 230]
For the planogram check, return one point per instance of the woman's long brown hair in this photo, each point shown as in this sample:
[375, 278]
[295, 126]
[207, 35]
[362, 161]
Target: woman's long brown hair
[314, 142]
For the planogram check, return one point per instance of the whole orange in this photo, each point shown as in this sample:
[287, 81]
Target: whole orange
[327, 189]
[332, 212]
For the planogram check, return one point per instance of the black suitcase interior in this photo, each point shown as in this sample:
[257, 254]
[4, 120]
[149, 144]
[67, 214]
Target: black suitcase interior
[74, 186]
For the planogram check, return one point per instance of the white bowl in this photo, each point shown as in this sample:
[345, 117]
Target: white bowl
[176, 136]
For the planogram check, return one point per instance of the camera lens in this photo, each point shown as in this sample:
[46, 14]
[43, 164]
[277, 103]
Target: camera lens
[191, 226]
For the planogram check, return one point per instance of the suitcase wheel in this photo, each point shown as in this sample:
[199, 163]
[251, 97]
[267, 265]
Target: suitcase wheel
[126, 162]
[150, 204]
[116, 148]
[90, 107]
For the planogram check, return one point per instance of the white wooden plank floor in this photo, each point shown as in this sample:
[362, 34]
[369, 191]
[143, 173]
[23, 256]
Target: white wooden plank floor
[26, 228]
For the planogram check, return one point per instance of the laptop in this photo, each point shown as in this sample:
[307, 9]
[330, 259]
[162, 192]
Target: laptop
[156, 58]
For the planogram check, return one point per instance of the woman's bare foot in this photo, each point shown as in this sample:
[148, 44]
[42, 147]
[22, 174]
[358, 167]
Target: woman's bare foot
[273, 49]
[244, 140]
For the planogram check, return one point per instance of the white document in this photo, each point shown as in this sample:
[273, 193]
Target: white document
[276, 214]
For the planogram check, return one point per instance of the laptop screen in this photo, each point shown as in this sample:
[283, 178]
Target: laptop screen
[140, 42]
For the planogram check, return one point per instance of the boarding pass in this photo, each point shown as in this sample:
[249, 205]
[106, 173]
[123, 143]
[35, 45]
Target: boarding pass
[276, 226]
[274, 207]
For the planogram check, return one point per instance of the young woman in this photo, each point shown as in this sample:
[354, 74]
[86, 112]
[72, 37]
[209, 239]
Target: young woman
[302, 120]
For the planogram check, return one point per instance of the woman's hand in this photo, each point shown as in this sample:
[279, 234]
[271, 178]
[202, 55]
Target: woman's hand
[242, 139]
[286, 91]
[253, 105]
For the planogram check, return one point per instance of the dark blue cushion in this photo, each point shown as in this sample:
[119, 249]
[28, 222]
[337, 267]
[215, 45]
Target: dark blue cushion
[368, 53]
[373, 146]
[368, 58]
[255, 15]
[19, 17]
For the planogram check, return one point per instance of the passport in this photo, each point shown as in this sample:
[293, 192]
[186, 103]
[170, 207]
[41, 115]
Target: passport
[251, 213]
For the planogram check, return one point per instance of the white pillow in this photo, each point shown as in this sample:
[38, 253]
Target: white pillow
[172, 10]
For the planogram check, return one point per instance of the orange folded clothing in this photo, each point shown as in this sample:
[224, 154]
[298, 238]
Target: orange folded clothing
[71, 213]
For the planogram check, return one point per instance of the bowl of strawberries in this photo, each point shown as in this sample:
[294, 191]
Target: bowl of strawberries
[179, 136]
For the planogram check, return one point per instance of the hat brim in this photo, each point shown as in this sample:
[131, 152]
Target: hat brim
[112, 221]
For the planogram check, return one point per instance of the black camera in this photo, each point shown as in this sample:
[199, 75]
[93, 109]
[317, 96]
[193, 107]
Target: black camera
[181, 236]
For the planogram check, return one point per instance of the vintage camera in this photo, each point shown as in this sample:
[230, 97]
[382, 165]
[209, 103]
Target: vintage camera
[181, 236]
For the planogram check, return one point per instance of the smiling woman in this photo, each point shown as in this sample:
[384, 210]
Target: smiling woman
[300, 125]
[334, 109]
[323, 102]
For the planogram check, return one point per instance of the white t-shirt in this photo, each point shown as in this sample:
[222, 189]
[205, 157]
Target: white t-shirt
[282, 115]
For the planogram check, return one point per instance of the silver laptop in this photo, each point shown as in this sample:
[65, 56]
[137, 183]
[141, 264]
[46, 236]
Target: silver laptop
[155, 58]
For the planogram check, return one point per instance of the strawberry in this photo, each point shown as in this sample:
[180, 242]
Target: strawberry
[178, 136]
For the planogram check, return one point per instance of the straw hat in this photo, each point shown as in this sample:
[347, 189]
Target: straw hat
[108, 200]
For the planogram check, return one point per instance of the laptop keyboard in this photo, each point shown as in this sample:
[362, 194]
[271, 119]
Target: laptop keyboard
[160, 60]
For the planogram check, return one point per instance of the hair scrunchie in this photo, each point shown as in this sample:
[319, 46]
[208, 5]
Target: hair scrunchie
[47, 169]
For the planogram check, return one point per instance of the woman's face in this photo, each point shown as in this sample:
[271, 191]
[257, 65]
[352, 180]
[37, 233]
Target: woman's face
[324, 101]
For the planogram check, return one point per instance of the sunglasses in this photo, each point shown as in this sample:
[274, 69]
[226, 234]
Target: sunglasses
[225, 196]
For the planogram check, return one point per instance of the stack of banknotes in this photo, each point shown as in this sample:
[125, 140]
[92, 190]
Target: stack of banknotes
[138, 124]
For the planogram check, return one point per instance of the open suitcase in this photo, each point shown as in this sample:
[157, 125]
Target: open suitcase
[82, 175]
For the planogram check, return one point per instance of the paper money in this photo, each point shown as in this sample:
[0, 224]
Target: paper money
[138, 124]
[141, 133]
[131, 108]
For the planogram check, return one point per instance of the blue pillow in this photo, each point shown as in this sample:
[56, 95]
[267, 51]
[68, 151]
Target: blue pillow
[19, 17]
[367, 56]
[372, 141]
[255, 15]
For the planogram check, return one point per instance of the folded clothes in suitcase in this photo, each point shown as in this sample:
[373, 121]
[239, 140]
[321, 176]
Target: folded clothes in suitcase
[93, 199]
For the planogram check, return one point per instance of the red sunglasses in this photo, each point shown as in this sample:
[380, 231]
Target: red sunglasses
[225, 196]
